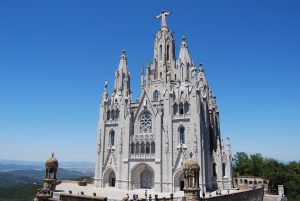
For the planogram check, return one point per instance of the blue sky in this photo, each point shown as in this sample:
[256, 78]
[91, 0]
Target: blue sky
[55, 56]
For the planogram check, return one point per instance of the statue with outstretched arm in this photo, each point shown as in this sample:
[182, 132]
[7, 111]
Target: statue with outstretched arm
[163, 18]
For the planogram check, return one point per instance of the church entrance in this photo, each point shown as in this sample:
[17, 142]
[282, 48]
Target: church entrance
[142, 176]
[146, 179]
[112, 179]
[181, 185]
[109, 178]
[178, 181]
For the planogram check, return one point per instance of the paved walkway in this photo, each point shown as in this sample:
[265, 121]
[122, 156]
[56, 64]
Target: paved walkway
[110, 192]
[116, 194]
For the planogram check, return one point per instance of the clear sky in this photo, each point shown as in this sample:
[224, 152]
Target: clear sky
[55, 56]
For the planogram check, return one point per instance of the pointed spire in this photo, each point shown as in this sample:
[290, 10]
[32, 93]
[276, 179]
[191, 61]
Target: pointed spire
[122, 76]
[184, 62]
[201, 75]
[184, 55]
[142, 78]
[105, 92]
[105, 85]
[123, 69]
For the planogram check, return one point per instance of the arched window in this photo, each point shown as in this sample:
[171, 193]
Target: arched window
[108, 115]
[112, 138]
[180, 108]
[214, 169]
[175, 78]
[155, 95]
[132, 148]
[112, 114]
[160, 52]
[223, 169]
[137, 148]
[152, 148]
[168, 52]
[182, 73]
[160, 75]
[142, 148]
[117, 114]
[181, 135]
[186, 108]
[146, 122]
[175, 108]
[147, 148]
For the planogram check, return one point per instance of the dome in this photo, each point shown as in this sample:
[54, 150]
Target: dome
[52, 159]
[191, 163]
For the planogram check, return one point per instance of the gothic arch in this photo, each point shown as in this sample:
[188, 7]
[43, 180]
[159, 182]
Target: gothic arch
[224, 169]
[142, 176]
[109, 177]
[178, 180]
[155, 95]
[108, 115]
[181, 110]
[160, 52]
[175, 109]
[186, 107]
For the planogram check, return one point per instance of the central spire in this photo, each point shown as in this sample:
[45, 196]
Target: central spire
[163, 18]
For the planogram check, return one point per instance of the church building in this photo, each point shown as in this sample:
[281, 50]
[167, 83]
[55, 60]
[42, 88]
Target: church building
[143, 143]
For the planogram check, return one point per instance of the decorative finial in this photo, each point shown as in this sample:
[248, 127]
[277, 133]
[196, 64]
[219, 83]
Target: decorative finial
[52, 154]
[163, 18]
[123, 56]
[148, 63]
[191, 155]
[201, 68]
[142, 70]
[105, 85]
[183, 38]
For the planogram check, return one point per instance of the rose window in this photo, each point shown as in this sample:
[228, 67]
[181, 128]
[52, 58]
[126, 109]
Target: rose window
[146, 123]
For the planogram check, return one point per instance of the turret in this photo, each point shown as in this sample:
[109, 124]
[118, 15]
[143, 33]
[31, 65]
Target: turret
[184, 62]
[46, 192]
[164, 52]
[122, 77]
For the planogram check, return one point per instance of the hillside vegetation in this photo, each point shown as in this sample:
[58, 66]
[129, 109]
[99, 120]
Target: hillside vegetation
[22, 185]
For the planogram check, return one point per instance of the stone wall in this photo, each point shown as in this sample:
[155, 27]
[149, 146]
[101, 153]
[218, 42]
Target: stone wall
[70, 197]
[248, 195]
[272, 198]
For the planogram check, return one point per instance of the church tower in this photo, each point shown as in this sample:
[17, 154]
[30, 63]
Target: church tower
[164, 52]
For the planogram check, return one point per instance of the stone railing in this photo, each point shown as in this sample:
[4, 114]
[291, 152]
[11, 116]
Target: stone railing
[71, 197]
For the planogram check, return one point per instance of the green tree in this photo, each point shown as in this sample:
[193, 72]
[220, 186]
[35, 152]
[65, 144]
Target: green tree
[277, 173]
[256, 164]
[241, 164]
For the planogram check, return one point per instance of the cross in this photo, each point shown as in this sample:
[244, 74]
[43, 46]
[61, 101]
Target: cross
[52, 154]
[191, 155]
[163, 18]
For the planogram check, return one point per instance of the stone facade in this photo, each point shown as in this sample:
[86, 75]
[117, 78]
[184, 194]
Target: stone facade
[143, 143]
